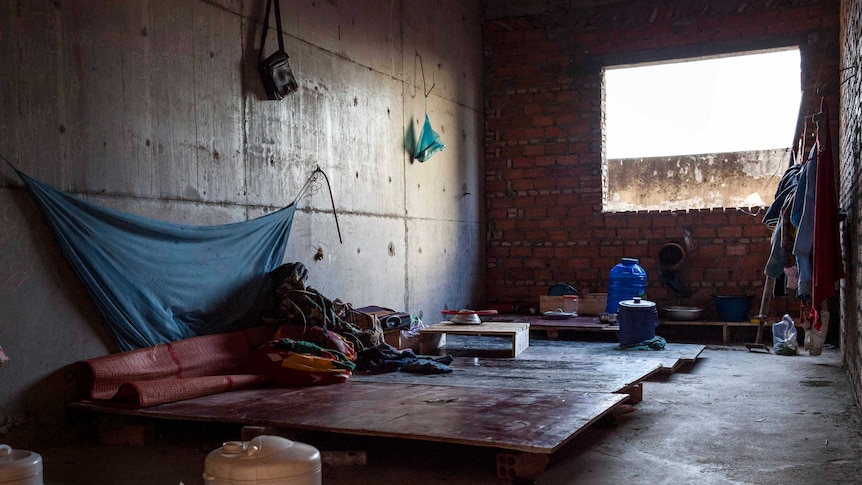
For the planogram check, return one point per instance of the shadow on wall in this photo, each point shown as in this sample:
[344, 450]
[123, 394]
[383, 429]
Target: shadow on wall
[410, 139]
[47, 255]
[45, 421]
[50, 318]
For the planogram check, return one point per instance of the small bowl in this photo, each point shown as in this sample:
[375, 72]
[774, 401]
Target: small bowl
[463, 317]
[608, 317]
[682, 313]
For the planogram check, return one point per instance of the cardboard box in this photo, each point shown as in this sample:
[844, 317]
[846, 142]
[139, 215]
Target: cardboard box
[396, 339]
[592, 304]
[566, 303]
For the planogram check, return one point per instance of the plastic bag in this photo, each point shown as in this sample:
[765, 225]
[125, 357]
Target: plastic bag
[814, 337]
[429, 142]
[411, 335]
[784, 337]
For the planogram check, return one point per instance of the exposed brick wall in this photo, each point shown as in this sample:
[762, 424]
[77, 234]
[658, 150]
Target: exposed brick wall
[850, 156]
[543, 144]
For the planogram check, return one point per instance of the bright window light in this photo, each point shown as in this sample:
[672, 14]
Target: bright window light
[728, 104]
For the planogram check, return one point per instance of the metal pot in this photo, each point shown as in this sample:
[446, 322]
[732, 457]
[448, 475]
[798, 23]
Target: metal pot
[637, 320]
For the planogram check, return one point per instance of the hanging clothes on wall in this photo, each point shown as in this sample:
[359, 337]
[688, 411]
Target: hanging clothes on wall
[803, 215]
[777, 218]
[805, 242]
[827, 263]
[780, 257]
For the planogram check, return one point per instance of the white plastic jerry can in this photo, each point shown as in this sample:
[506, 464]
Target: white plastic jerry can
[264, 460]
[19, 467]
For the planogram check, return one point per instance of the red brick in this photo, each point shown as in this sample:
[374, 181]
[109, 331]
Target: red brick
[530, 150]
[729, 247]
[543, 120]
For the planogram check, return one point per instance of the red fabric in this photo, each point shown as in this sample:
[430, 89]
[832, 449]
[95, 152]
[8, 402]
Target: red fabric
[308, 370]
[317, 335]
[208, 355]
[827, 266]
[138, 394]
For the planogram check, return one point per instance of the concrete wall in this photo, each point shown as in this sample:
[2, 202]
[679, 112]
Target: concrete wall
[155, 107]
[699, 181]
[543, 148]
[849, 163]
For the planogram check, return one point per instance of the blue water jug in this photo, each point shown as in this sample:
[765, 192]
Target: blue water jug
[627, 280]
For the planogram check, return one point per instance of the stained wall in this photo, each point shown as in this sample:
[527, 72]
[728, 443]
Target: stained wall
[155, 107]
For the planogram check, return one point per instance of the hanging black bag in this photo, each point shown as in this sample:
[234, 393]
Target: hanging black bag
[274, 70]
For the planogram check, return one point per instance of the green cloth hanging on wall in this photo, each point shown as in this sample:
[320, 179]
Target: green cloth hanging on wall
[429, 142]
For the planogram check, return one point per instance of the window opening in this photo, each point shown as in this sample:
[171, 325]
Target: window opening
[699, 133]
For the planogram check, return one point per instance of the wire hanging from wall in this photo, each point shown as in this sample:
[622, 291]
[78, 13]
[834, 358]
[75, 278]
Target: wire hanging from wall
[429, 141]
[311, 186]
[821, 91]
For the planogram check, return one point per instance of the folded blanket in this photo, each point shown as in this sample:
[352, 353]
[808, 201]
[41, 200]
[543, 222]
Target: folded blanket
[138, 394]
[208, 355]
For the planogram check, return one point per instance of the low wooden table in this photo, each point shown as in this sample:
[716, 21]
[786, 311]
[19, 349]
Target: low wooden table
[434, 337]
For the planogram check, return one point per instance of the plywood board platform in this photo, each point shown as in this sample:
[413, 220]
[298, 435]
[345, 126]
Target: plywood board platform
[587, 374]
[671, 358]
[532, 421]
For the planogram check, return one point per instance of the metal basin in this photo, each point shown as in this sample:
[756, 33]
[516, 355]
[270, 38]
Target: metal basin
[682, 313]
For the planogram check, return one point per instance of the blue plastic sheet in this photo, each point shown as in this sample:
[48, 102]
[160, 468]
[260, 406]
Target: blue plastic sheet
[156, 282]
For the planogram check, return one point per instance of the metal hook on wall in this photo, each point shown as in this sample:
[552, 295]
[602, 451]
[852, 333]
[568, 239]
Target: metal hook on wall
[424, 86]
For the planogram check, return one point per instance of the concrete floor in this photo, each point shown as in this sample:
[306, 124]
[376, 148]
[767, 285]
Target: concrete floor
[732, 417]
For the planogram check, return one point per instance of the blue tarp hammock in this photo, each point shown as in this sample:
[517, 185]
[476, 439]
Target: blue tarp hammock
[155, 282]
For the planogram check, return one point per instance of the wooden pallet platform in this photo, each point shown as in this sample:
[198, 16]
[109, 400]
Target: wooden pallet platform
[524, 420]
[587, 374]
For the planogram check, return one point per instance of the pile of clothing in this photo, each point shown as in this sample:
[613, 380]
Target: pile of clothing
[321, 341]
[303, 313]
